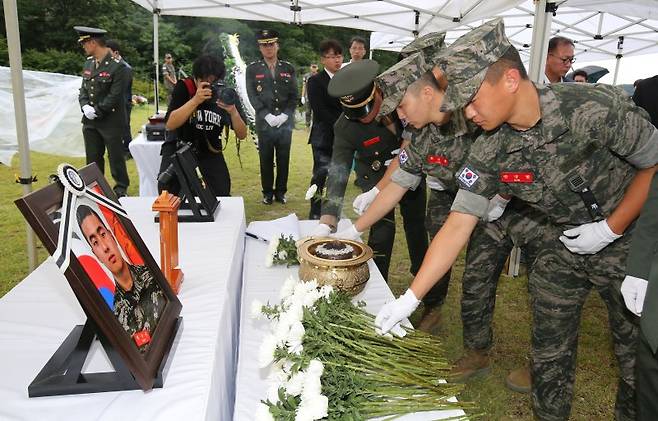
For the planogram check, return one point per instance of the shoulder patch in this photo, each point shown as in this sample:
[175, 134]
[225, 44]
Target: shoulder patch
[403, 156]
[468, 177]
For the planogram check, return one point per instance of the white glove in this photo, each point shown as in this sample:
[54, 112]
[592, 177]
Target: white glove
[633, 290]
[394, 312]
[271, 119]
[348, 234]
[89, 111]
[364, 200]
[303, 100]
[321, 230]
[434, 183]
[282, 118]
[589, 238]
[496, 207]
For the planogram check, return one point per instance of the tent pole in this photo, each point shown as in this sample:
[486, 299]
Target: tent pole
[541, 30]
[156, 54]
[16, 64]
[620, 48]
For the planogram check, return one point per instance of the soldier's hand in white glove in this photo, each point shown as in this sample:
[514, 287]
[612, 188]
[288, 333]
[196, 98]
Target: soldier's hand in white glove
[394, 312]
[633, 290]
[321, 230]
[271, 119]
[303, 100]
[348, 234]
[496, 207]
[362, 201]
[588, 238]
[89, 111]
[282, 118]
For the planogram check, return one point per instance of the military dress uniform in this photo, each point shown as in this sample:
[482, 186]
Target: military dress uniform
[272, 92]
[139, 309]
[103, 88]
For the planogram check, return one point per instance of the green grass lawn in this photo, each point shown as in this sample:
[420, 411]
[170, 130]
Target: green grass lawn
[597, 372]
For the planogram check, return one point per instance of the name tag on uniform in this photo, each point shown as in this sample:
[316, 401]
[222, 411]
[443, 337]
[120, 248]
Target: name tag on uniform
[260, 76]
[372, 141]
[283, 74]
[104, 74]
[517, 177]
[438, 160]
[87, 72]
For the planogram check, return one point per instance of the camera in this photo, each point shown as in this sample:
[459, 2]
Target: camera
[223, 93]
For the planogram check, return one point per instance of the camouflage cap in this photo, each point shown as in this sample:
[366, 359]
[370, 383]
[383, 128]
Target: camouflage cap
[394, 82]
[431, 45]
[466, 61]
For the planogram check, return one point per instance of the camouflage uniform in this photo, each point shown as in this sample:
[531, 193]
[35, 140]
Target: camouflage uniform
[140, 308]
[584, 129]
[589, 138]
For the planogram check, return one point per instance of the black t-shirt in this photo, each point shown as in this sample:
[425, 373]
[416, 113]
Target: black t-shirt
[205, 125]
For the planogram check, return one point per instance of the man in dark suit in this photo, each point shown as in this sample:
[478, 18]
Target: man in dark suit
[325, 113]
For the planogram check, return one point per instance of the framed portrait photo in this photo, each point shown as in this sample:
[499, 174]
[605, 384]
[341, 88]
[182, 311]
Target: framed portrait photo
[128, 302]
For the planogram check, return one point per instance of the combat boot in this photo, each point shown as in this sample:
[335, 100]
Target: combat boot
[430, 322]
[519, 380]
[474, 363]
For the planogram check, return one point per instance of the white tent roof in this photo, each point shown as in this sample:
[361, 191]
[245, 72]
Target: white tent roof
[594, 25]
[391, 16]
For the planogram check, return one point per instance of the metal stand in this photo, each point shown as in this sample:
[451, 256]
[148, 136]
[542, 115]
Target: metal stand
[62, 373]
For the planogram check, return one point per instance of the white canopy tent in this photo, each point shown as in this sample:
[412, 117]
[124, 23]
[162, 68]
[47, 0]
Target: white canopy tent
[600, 30]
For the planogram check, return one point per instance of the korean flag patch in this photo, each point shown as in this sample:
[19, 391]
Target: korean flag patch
[403, 156]
[468, 177]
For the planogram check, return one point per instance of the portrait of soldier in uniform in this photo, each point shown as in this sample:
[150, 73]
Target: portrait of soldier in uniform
[138, 300]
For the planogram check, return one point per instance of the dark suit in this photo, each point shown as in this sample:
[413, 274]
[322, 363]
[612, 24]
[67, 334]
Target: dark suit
[643, 263]
[325, 113]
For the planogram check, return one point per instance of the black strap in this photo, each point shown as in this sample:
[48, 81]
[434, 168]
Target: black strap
[579, 185]
[27, 180]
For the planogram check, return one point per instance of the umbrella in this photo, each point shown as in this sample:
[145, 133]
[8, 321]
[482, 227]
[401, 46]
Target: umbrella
[594, 73]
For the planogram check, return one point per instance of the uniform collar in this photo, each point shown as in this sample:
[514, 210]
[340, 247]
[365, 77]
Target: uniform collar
[551, 125]
[458, 126]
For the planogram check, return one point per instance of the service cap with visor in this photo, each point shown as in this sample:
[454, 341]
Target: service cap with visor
[431, 45]
[355, 88]
[86, 33]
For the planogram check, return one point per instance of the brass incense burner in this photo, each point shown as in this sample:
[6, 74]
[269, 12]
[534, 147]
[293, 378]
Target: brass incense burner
[348, 272]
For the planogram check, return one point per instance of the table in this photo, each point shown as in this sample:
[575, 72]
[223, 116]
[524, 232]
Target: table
[38, 314]
[146, 154]
[263, 283]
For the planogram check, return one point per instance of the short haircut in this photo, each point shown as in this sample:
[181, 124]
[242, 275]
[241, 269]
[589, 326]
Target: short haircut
[358, 39]
[82, 213]
[168, 55]
[100, 41]
[427, 79]
[208, 65]
[509, 60]
[580, 72]
[330, 45]
[113, 45]
[555, 42]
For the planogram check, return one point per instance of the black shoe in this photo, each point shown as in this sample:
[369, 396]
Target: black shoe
[267, 200]
[281, 199]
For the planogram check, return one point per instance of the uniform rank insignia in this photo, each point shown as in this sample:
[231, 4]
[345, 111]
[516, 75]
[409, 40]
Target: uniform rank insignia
[403, 156]
[468, 177]
[259, 88]
[371, 142]
[437, 159]
[282, 74]
[517, 177]
[104, 74]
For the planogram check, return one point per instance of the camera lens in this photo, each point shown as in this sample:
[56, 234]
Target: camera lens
[228, 96]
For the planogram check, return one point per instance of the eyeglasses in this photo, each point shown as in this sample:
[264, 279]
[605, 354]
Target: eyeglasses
[336, 57]
[564, 60]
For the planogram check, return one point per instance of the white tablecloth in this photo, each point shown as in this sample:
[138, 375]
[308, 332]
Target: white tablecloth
[146, 154]
[263, 283]
[39, 313]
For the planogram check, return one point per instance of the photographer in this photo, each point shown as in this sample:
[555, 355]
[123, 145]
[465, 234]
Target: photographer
[201, 108]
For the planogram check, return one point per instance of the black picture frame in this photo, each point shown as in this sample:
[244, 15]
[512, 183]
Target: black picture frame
[145, 368]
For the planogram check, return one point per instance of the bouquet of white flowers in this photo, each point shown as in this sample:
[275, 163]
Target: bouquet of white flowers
[281, 251]
[327, 361]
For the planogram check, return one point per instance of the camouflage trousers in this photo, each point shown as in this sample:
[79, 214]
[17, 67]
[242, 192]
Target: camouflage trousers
[559, 284]
[487, 251]
[438, 208]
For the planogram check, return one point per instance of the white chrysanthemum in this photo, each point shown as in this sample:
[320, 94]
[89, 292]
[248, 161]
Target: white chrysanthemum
[314, 408]
[263, 413]
[326, 291]
[312, 385]
[315, 367]
[296, 384]
[288, 287]
[311, 192]
[272, 393]
[256, 311]
[281, 330]
[282, 254]
[277, 375]
[266, 352]
[274, 244]
[311, 297]
[295, 338]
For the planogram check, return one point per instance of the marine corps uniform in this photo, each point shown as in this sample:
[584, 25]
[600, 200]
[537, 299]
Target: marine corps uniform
[103, 87]
[371, 145]
[574, 166]
[139, 309]
[272, 91]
